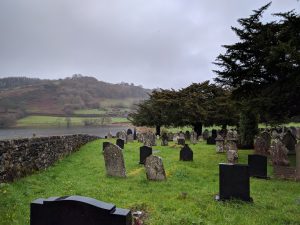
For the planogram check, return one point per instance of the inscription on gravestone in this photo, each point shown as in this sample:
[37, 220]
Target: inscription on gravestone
[77, 210]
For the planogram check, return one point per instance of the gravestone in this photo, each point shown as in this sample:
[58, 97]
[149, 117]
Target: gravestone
[164, 139]
[187, 135]
[155, 168]
[120, 143]
[181, 141]
[77, 210]
[109, 135]
[258, 166]
[170, 136]
[194, 137]
[114, 161]
[289, 141]
[297, 148]
[278, 153]
[261, 146]
[234, 182]
[205, 134]
[134, 134]
[220, 148]
[129, 131]
[130, 138]
[186, 154]
[212, 139]
[145, 151]
[149, 139]
[105, 144]
[175, 138]
[122, 135]
[232, 156]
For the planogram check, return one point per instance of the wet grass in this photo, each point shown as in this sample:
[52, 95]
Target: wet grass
[276, 202]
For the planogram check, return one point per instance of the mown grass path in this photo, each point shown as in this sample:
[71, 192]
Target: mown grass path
[276, 202]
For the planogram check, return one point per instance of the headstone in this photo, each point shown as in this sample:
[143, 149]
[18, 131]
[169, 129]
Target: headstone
[289, 141]
[234, 182]
[194, 137]
[232, 156]
[122, 135]
[278, 153]
[134, 134]
[145, 151]
[220, 147]
[258, 166]
[164, 139]
[149, 139]
[170, 136]
[130, 138]
[181, 141]
[114, 161]
[205, 134]
[76, 210]
[109, 135]
[175, 138]
[129, 131]
[231, 145]
[155, 168]
[105, 144]
[297, 148]
[187, 135]
[120, 143]
[186, 154]
[261, 147]
[140, 138]
[212, 139]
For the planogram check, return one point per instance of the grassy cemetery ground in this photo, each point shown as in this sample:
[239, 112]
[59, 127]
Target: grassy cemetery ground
[83, 173]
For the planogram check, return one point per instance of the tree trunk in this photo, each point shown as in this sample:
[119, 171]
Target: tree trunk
[198, 128]
[157, 128]
[248, 128]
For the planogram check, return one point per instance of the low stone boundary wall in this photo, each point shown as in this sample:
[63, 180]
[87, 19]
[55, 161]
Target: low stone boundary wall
[20, 157]
[285, 172]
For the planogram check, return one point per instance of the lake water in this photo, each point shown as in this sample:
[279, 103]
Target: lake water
[42, 132]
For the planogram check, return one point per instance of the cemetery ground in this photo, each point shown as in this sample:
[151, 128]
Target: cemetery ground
[187, 197]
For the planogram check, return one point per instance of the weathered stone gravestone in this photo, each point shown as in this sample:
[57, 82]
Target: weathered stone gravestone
[278, 153]
[187, 135]
[186, 154]
[129, 131]
[155, 168]
[181, 141]
[232, 156]
[149, 139]
[258, 166]
[122, 135]
[120, 143]
[289, 141]
[77, 210]
[164, 139]
[130, 138]
[109, 135]
[231, 145]
[145, 151]
[220, 144]
[297, 148]
[234, 182]
[105, 144]
[205, 134]
[114, 161]
[261, 146]
[194, 137]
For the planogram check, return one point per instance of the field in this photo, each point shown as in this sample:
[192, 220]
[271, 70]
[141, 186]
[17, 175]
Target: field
[53, 121]
[276, 202]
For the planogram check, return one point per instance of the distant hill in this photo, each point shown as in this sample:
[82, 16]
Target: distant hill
[63, 96]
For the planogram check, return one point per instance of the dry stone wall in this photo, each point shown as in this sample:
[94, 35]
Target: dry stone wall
[20, 157]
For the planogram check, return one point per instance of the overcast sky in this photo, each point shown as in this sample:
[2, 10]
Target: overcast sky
[155, 43]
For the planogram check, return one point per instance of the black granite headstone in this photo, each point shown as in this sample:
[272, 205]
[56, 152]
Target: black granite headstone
[234, 182]
[258, 166]
[120, 143]
[105, 144]
[145, 151]
[181, 141]
[134, 134]
[129, 131]
[186, 154]
[77, 210]
[211, 140]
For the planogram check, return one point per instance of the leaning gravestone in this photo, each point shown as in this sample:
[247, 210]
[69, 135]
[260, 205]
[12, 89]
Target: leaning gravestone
[181, 141]
[278, 153]
[145, 151]
[220, 148]
[258, 166]
[120, 143]
[234, 182]
[289, 141]
[155, 168]
[186, 154]
[114, 161]
[77, 210]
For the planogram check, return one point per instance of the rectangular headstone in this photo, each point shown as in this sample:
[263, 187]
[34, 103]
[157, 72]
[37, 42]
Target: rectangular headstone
[186, 154]
[234, 182]
[258, 166]
[77, 210]
[114, 161]
[120, 143]
[145, 151]
[181, 141]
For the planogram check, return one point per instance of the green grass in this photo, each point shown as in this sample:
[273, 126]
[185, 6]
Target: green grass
[53, 121]
[90, 111]
[276, 202]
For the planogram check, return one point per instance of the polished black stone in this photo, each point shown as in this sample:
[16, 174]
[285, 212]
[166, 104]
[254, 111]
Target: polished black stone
[77, 210]
[186, 154]
[145, 151]
[234, 182]
[120, 143]
[134, 134]
[258, 166]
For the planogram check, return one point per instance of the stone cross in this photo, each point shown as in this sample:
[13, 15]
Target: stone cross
[114, 161]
